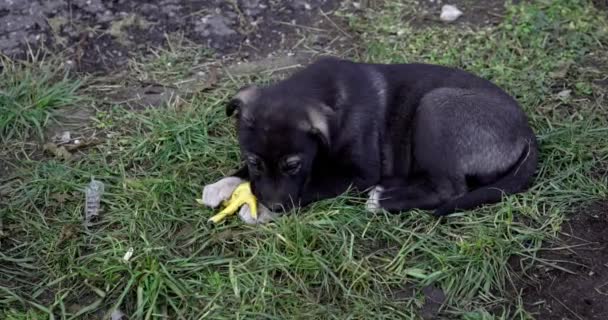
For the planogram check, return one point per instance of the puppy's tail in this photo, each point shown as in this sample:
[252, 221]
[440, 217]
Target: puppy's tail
[516, 180]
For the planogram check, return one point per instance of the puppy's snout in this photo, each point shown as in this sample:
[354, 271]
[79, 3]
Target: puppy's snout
[275, 207]
[276, 201]
[270, 202]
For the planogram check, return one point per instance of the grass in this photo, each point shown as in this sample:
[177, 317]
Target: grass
[29, 92]
[332, 260]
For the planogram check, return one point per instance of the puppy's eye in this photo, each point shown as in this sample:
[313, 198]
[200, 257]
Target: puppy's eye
[292, 167]
[254, 165]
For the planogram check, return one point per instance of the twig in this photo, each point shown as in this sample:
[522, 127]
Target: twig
[335, 25]
[299, 26]
[565, 306]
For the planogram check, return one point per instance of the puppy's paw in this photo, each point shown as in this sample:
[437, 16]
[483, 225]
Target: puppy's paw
[373, 202]
[215, 193]
[264, 215]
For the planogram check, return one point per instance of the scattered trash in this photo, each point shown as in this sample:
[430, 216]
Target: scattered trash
[564, 94]
[65, 137]
[449, 13]
[128, 255]
[58, 151]
[64, 144]
[117, 315]
[93, 194]
[77, 144]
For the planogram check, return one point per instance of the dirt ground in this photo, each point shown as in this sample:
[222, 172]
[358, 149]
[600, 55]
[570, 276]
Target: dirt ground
[101, 35]
[575, 285]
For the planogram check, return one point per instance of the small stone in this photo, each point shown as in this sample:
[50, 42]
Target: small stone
[449, 13]
[299, 5]
[215, 25]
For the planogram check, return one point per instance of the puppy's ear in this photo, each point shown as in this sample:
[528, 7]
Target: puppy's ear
[241, 100]
[319, 123]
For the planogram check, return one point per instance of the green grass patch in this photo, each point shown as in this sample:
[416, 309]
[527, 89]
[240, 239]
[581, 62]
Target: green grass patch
[174, 65]
[331, 260]
[29, 92]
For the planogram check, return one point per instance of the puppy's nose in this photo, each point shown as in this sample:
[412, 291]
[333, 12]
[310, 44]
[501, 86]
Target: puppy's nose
[275, 206]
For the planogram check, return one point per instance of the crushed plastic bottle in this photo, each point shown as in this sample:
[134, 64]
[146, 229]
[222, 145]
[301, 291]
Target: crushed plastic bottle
[93, 194]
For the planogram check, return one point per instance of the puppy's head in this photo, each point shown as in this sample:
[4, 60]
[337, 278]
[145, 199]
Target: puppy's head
[279, 136]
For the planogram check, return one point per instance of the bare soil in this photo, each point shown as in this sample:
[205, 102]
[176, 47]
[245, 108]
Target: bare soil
[100, 35]
[575, 286]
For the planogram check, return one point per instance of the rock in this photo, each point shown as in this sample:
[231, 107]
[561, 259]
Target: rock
[105, 17]
[214, 25]
[449, 13]
[299, 5]
[252, 7]
[90, 6]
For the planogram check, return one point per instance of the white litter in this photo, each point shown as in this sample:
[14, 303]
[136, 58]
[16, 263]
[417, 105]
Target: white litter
[449, 13]
[66, 137]
[117, 315]
[564, 94]
[93, 194]
[128, 255]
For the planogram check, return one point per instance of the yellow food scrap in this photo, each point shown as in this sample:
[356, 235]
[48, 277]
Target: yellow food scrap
[241, 195]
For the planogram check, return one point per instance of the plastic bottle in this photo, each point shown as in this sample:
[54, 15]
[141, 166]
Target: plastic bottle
[93, 194]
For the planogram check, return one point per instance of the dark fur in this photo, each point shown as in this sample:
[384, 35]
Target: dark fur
[433, 137]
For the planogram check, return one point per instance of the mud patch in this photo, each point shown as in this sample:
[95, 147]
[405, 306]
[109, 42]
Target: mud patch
[576, 285]
[101, 35]
[142, 97]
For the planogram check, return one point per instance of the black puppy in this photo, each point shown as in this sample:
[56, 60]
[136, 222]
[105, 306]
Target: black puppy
[425, 136]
